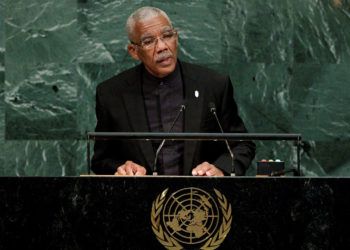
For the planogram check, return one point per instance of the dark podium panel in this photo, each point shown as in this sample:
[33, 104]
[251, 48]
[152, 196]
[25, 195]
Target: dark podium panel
[117, 212]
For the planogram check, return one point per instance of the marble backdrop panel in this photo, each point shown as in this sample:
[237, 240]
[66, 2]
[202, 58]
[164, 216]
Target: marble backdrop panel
[306, 99]
[40, 31]
[41, 102]
[102, 28]
[90, 76]
[2, 30]
[320, 101]
[262, 92]
[2, 81]
[44, 158]
[288, 61]
[321, 32]
[257, 31]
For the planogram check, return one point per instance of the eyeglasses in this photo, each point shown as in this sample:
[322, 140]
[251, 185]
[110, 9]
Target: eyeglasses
[150, 42]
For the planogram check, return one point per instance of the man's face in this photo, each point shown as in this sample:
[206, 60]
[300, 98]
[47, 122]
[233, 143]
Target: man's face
[160, 59]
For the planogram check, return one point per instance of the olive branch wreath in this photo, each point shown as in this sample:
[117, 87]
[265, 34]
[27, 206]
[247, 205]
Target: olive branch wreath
[171, 244]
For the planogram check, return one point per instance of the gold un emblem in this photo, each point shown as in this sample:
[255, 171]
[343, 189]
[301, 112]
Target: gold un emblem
[191, 218]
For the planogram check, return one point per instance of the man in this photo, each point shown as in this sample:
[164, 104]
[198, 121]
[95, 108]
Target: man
[150, 98]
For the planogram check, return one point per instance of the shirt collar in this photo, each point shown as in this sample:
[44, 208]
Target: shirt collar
[169, 79]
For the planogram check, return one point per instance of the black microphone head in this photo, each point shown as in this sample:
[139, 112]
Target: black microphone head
[183, 105]
[212, 107]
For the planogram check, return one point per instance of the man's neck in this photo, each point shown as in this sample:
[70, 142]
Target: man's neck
[168, 77]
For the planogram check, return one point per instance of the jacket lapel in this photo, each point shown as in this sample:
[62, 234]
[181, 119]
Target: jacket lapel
[136, 111]
[194, 96]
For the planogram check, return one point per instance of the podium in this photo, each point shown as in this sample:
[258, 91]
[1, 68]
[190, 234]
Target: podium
[225, 137]
[97, 212]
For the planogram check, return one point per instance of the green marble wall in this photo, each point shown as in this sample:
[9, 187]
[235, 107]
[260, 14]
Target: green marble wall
[2, 81]
[289, 62]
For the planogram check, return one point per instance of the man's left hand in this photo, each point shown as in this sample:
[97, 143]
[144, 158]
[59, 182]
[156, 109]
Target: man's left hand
[206, 169]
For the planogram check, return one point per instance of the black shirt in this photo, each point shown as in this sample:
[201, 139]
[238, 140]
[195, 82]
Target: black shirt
[163, 98]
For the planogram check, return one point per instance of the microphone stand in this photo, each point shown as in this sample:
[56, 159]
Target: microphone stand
[155, 172]
[213, 111]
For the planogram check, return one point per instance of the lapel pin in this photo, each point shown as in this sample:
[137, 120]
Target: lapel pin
[196, 93]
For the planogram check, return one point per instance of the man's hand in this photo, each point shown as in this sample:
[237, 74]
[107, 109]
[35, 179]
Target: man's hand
[206, 169]
[130, 168]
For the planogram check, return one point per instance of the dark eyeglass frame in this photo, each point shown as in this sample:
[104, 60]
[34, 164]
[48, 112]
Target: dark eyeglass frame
[150, 42]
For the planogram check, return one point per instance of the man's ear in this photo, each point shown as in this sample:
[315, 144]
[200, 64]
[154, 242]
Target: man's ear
[133, 51]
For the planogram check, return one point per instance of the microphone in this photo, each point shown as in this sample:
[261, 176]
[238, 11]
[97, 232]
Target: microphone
[213, 111]
[182, 108]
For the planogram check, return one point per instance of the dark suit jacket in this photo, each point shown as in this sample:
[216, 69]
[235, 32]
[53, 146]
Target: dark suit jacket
[120, 108]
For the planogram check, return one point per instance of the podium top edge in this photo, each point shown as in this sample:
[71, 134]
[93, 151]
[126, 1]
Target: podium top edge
[193, 136]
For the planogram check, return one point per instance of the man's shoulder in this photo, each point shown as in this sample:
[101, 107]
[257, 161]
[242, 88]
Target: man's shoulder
[120, 79]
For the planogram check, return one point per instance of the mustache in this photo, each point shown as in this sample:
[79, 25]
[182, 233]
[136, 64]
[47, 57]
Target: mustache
[163, 55]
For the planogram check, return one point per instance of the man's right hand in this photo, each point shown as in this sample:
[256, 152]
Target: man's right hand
[130, 168]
